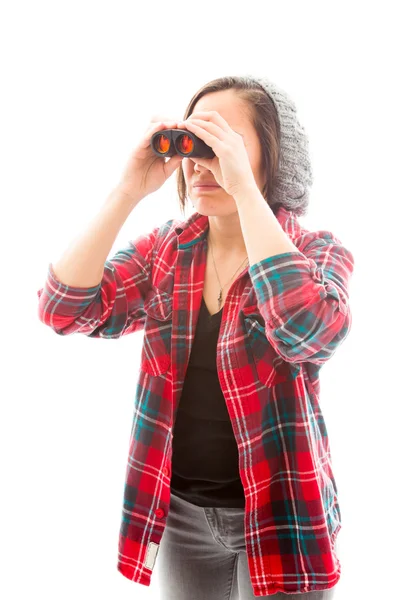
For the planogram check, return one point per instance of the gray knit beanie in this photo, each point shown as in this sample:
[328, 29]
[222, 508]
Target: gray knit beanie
[294, 177]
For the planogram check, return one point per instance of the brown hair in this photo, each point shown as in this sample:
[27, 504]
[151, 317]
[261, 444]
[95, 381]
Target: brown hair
[263, 116]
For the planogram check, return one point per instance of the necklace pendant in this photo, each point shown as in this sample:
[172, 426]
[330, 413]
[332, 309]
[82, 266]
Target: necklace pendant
[220, 299]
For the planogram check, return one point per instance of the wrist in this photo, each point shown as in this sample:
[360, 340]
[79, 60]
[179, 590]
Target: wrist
[126, 195]
[247, 191]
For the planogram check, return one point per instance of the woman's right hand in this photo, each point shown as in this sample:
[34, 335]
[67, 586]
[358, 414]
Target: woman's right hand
[146, 172]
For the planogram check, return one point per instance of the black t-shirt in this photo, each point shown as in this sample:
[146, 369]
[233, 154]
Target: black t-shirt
[205, 460]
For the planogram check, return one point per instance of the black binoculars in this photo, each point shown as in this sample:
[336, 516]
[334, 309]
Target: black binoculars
[168, 142]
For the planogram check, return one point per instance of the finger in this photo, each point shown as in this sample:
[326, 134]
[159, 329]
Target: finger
[164, 124]
[158, 126]
[172, 164]
[206, 131]
[211, 116]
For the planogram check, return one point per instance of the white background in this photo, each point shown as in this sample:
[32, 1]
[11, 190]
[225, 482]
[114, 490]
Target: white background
[80, 82]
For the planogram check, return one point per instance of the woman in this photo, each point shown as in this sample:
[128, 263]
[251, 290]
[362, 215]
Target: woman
[229, 487]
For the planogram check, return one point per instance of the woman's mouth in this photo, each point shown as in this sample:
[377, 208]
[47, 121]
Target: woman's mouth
[203, 188]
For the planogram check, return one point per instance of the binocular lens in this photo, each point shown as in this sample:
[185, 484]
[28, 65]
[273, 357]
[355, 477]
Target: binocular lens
[185, 144]
[167, 143]
[162, 143]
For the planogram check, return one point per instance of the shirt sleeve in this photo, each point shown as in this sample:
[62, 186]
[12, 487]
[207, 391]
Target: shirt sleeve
[112, 308]
[304, 298]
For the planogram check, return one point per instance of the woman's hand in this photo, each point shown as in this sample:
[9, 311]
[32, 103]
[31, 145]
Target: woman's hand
[230, 165]
[145, 172]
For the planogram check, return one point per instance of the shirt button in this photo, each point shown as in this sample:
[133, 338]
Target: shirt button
[159, 513]
[166, 471]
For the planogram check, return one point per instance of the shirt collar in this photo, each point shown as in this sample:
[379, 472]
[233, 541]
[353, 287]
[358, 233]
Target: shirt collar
[195, 228]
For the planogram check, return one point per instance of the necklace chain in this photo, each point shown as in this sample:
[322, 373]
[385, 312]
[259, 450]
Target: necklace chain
[222, 286]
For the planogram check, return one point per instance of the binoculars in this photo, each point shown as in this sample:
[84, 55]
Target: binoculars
[168, 142]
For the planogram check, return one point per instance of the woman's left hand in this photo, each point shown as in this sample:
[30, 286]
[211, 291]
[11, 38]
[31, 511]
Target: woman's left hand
[230, 165]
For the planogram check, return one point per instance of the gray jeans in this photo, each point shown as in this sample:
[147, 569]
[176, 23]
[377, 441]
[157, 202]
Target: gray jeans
[202, 556]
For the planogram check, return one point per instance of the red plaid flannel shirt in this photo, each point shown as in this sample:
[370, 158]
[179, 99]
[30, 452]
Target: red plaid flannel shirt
[283, 318]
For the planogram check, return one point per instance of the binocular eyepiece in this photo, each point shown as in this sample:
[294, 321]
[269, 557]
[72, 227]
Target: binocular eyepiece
[168, 142]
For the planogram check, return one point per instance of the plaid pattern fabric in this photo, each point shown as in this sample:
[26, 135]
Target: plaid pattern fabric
[283, 318]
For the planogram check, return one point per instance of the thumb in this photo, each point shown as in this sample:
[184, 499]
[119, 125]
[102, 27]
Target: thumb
[203, 162]
[172, 164]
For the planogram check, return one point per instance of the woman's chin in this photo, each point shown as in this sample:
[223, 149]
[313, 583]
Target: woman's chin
[214, 207]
